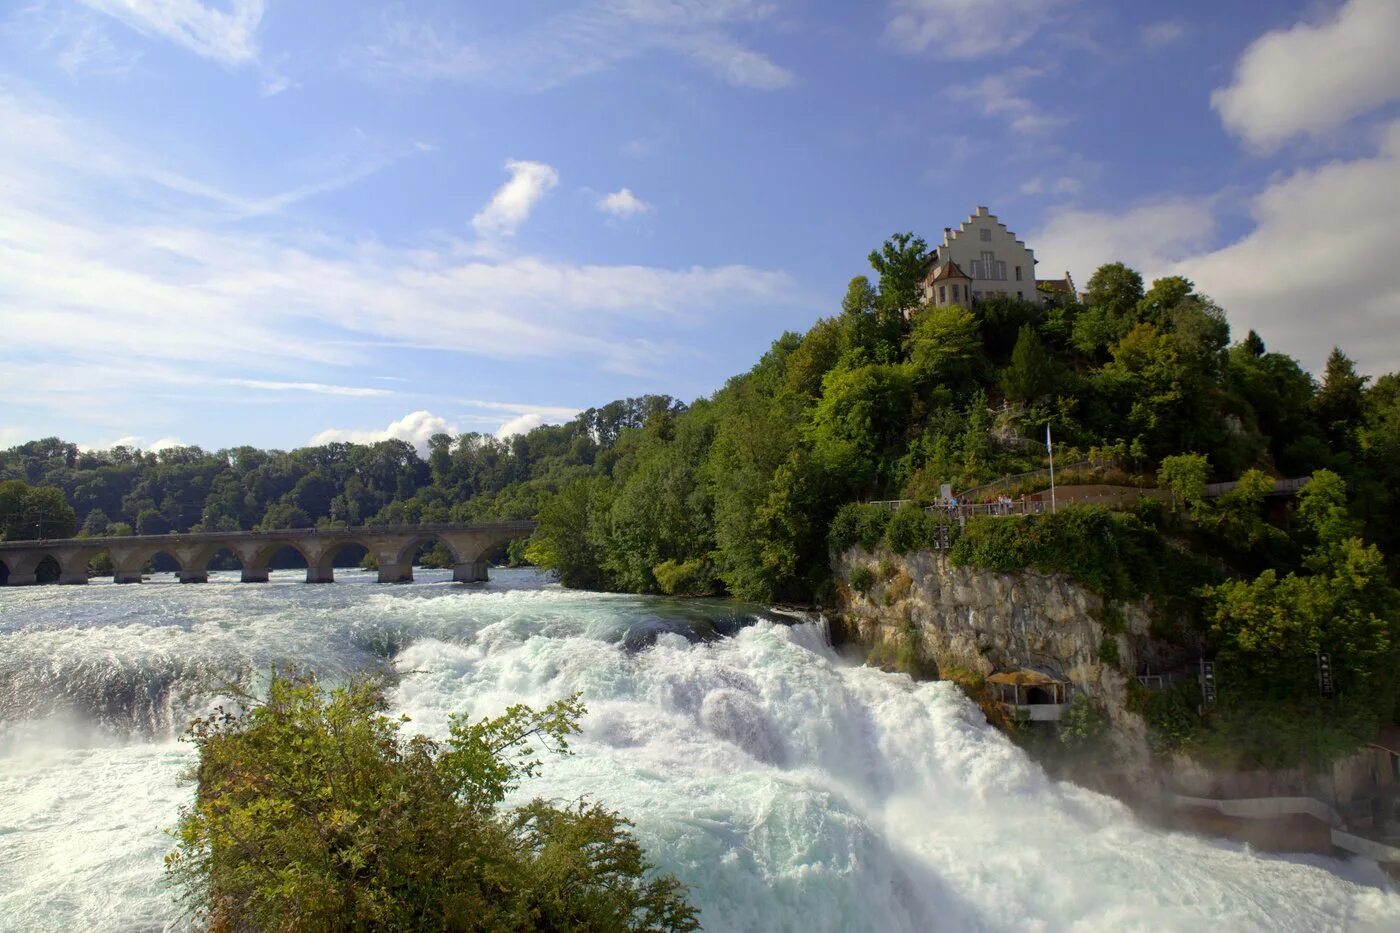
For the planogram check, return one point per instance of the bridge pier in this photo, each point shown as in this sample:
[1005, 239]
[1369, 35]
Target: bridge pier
[254, 575]
[320, 574]
[21, 579]
[193, 576]
[472, 571]
[73, 577]
[394, 572]
[127, 576]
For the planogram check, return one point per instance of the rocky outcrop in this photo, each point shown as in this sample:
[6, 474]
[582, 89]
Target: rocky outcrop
[977, 620]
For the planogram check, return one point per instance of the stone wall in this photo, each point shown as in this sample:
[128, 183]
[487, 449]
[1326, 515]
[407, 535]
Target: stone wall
[971, 619]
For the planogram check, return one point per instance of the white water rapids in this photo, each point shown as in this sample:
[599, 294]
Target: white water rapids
[789, 788]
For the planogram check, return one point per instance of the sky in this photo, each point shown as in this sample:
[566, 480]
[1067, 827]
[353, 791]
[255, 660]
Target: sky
[282, 222]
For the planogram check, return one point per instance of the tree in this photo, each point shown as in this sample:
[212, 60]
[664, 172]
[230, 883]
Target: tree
[943, 348]
[1185, 475]
[29, 512]
[1340, 402]
[314, 811]
[565, 541]
[1031, 373]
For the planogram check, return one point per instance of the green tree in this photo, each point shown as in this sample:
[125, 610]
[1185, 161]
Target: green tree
[1185, 475]
[29, 512]
[1031, 374]
[943, 346]
[315, 812]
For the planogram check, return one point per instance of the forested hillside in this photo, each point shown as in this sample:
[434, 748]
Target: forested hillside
[735, 493]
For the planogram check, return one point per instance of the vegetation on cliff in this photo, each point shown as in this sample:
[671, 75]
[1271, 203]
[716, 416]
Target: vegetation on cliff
[745, 492]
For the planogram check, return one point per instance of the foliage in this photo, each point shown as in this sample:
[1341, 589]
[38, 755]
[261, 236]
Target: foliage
[1113, 554]
[693, 577]
[1084, 724]
[1185, 475]
[861, 578]
[29, 512]
[912, 529]
[315, 811]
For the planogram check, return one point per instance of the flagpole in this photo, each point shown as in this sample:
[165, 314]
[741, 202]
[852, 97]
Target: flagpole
[1050, 449]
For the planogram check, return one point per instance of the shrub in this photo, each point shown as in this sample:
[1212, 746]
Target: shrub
[313, 811]
[1108, 651]
[1111, 553]
[694, 577]
[857, 523]
[862, 578]
[912, 529]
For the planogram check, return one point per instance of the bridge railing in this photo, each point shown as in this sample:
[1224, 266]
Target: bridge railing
[196, 537]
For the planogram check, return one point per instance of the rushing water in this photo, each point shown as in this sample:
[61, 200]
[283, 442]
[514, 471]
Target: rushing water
[791, 789]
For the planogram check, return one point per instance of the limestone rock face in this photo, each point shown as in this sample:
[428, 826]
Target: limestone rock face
[978, 620]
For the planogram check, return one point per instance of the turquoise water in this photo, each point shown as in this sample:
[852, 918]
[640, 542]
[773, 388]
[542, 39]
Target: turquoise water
[790, 788]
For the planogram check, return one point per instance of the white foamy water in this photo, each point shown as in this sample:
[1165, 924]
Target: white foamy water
[790, 789]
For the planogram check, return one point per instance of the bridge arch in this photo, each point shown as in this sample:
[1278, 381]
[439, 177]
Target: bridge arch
[257, 559]
[346, 552]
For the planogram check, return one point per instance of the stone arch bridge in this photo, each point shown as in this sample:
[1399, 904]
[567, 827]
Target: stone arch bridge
[393, 546]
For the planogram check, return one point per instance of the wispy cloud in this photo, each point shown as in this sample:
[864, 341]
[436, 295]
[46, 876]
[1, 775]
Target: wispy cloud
[585, 39]
[1164, 32]
[227, 36]
[999, 96]
[103, 257]
[623, 203]
[316, 388]
[967, 29]
[513, 201]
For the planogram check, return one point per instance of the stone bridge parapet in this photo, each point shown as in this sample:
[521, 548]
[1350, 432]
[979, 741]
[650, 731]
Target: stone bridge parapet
[393, 547]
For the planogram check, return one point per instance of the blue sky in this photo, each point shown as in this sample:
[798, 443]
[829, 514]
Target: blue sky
[273, 221]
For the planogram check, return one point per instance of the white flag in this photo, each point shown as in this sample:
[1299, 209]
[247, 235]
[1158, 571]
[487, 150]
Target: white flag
[1048, 448]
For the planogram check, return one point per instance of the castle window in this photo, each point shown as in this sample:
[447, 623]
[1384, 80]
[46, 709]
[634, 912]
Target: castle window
[989, 266]
[986, 234]
[955, 293]
[941, 297]
[1018, 273]
[1001, 271]
[1020, 295]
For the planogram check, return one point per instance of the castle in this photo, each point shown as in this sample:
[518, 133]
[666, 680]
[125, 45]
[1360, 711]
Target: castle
[983, 258]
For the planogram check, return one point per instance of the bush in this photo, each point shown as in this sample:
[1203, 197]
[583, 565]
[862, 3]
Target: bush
[313, 811]
[1111, 553]
[857, 523]
[912, 529]
[861, 578]
[1108, 651]
[694, 577]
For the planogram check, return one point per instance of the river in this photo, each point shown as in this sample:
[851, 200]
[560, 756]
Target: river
[790, 788]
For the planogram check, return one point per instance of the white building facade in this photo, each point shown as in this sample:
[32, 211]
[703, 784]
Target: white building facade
[988, 254]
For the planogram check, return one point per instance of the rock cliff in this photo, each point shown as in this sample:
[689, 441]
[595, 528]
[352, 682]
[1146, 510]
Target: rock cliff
[976, 620]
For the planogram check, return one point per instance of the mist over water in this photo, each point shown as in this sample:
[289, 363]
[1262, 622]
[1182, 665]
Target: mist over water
[789, 788]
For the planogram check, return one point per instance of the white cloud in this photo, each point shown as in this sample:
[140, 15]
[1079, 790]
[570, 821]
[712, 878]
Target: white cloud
[742, 67]
[415, 427]
[585, 39]
[966, 29]
[227, 36]
[1056, 185]
[520, 424]
[513, 201]
[623, 203]
[1164, 32]
[1318, 268]
[997, 95]
[1311, 79]
[105, 254]
[316, 388]
[1150, 238]
[164, 443]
